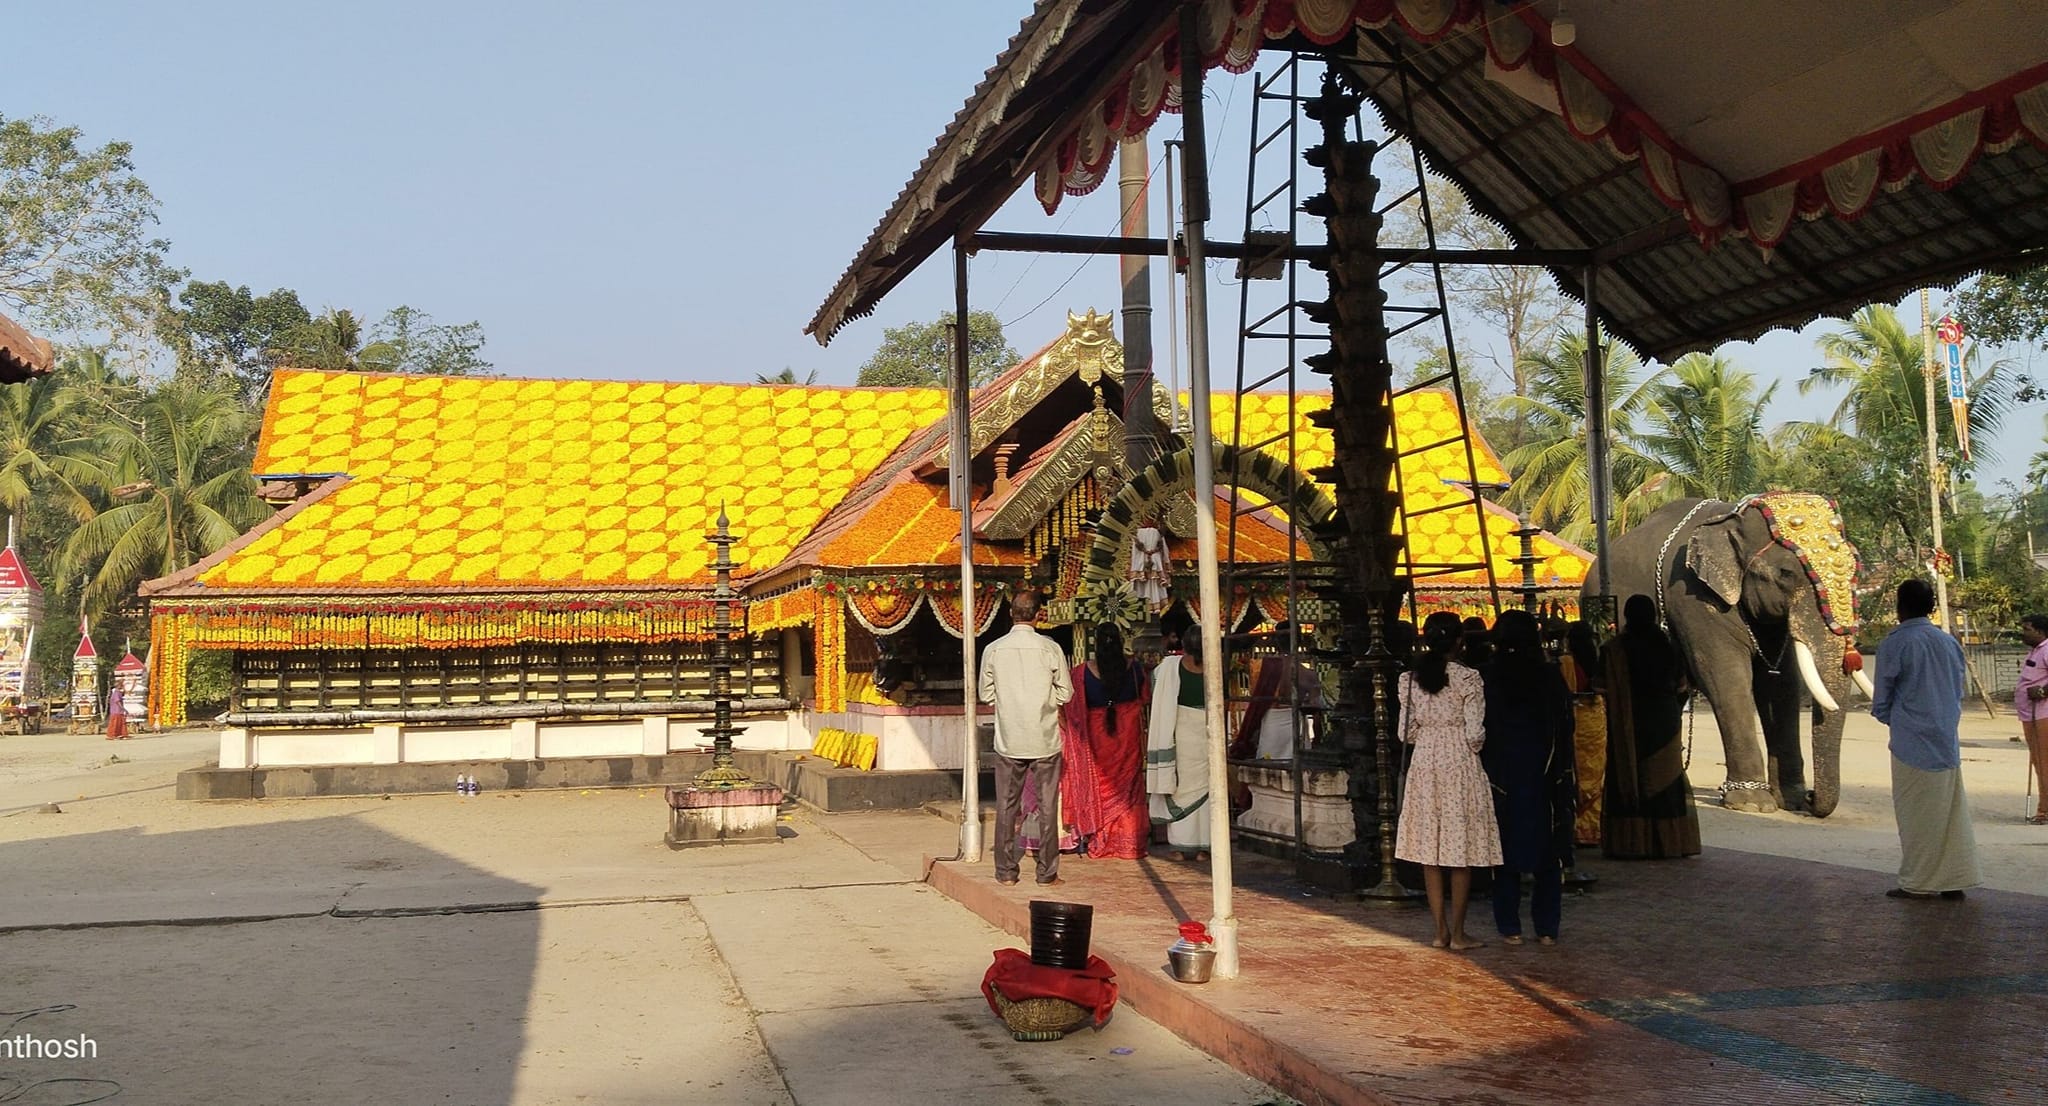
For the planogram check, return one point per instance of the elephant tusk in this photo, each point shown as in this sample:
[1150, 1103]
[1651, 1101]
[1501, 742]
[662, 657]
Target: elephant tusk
[1810, 672]
[1863, 681]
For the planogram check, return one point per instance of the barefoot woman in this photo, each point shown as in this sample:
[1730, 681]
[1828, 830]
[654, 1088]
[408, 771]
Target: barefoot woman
[1447, 821]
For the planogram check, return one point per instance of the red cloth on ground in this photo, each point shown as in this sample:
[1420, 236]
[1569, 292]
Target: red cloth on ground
[1018, 979]
[1102, 774]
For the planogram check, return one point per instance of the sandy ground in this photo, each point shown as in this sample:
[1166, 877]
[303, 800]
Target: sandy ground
[1861, 833]
[512, 948]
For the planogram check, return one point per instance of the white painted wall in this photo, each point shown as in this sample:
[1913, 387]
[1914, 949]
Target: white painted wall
[517, 739]
[907, 739]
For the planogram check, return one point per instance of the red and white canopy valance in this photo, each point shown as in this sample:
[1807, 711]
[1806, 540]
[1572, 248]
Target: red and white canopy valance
[1742, 115]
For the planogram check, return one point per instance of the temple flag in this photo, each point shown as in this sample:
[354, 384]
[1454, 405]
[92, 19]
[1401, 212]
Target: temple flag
[1949, 333]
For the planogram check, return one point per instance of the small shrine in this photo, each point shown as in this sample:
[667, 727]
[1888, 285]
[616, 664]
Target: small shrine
[85, 683]
[21, 614]
[131, 676]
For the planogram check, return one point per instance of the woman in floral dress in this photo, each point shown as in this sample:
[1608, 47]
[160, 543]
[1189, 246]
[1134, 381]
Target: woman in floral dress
[1447, 821]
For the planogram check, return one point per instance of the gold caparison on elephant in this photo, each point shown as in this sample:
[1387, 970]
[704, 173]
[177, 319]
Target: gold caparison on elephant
[1759, 597]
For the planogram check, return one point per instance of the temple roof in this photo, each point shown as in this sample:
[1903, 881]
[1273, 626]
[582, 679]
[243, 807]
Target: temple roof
[478, 484]
[22, 354]
[1432, 452]
[439, 486]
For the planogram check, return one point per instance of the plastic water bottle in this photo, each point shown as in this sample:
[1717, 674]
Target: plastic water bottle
[476, 787]
[461, 784]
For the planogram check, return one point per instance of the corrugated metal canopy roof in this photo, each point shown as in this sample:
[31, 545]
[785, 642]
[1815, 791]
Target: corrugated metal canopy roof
[1804, 180]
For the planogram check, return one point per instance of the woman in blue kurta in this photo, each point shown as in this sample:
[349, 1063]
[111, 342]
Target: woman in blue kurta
[1529, 760]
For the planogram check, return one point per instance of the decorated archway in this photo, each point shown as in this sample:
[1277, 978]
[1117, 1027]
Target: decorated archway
[1255, 471]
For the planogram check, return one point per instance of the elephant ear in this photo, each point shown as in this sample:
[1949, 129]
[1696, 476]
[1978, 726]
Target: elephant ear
[1712, 556]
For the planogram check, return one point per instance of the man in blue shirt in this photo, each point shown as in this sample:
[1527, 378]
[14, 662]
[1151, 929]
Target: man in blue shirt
[1920, 698]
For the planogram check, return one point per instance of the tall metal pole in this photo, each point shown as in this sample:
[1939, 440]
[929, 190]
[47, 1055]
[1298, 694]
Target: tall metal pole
[1141, 426]
[1223, 925]
[1942, 613]
[1598, 465]
[1172, 316]
[960, 450]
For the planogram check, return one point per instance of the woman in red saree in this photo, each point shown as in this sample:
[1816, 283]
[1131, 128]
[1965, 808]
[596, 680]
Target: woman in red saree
[1102, 741]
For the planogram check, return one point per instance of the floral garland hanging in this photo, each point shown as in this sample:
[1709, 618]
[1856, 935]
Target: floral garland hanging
[829, 641]
[883, 612]
[948, 609]
[795, 608]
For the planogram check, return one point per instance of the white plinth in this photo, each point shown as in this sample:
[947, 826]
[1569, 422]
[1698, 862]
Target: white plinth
[1326, 824]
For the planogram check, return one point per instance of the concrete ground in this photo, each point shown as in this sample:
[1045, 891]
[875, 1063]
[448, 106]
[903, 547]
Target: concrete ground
[1770, 969]
[511, 948]
[391, 950]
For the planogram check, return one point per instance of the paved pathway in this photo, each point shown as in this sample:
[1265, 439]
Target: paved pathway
[536, 948]
[1752, 974]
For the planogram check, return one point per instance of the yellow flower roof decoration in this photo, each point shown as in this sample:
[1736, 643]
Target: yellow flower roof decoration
[464, 483]
[1425, 421]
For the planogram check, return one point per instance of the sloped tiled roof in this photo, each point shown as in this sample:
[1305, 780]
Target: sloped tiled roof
[480, 483]
[1427, 422]
[22, 354]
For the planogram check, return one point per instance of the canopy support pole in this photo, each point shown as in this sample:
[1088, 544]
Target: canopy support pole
[1195, 170]
[1598, 464]
[960, 449]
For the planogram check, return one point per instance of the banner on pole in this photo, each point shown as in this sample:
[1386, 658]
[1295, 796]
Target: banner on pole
[1949, 333]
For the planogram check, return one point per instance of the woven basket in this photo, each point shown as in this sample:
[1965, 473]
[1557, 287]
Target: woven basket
[1041, 1019]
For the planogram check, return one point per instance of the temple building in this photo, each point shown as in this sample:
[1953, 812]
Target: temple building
[499, 568]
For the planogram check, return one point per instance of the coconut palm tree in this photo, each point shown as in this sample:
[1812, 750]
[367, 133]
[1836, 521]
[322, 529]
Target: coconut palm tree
[1703, 427]
[43, 451]
[1882, 362]
[181, 490]
[1552, 480]
[1871, 452]
[333, 341]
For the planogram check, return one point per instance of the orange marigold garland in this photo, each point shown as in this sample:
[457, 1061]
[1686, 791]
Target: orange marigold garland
[883, 612]
[829, 640]
[796, 608]
[403, 625]
[947, 608]
[169, 656]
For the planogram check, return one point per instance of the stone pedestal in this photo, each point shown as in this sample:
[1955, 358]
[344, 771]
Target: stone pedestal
[721, 816]
[1326, 821]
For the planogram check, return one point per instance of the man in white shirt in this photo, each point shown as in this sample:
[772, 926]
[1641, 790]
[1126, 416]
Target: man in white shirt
[1025, 675]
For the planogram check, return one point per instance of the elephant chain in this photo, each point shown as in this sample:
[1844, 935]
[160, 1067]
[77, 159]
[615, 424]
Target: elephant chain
[1664, 551]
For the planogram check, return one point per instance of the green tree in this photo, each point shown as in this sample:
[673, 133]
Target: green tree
[2002, 308]
[920, 355]
[76, 253]
[182, 489]
[407, 340]
[1517, 304]
[224, 331]
[786, 376]
[1703, 428]
[1552, 479]
[332, 341]
[1871, 453]
[43, 449]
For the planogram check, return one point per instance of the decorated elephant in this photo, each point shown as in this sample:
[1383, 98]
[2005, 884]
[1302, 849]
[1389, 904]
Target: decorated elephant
[1759, 598]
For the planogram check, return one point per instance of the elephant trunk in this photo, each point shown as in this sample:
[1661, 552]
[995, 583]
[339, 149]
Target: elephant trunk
[1810, 672]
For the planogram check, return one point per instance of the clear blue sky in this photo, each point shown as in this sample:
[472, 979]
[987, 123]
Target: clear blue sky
[637, 190]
